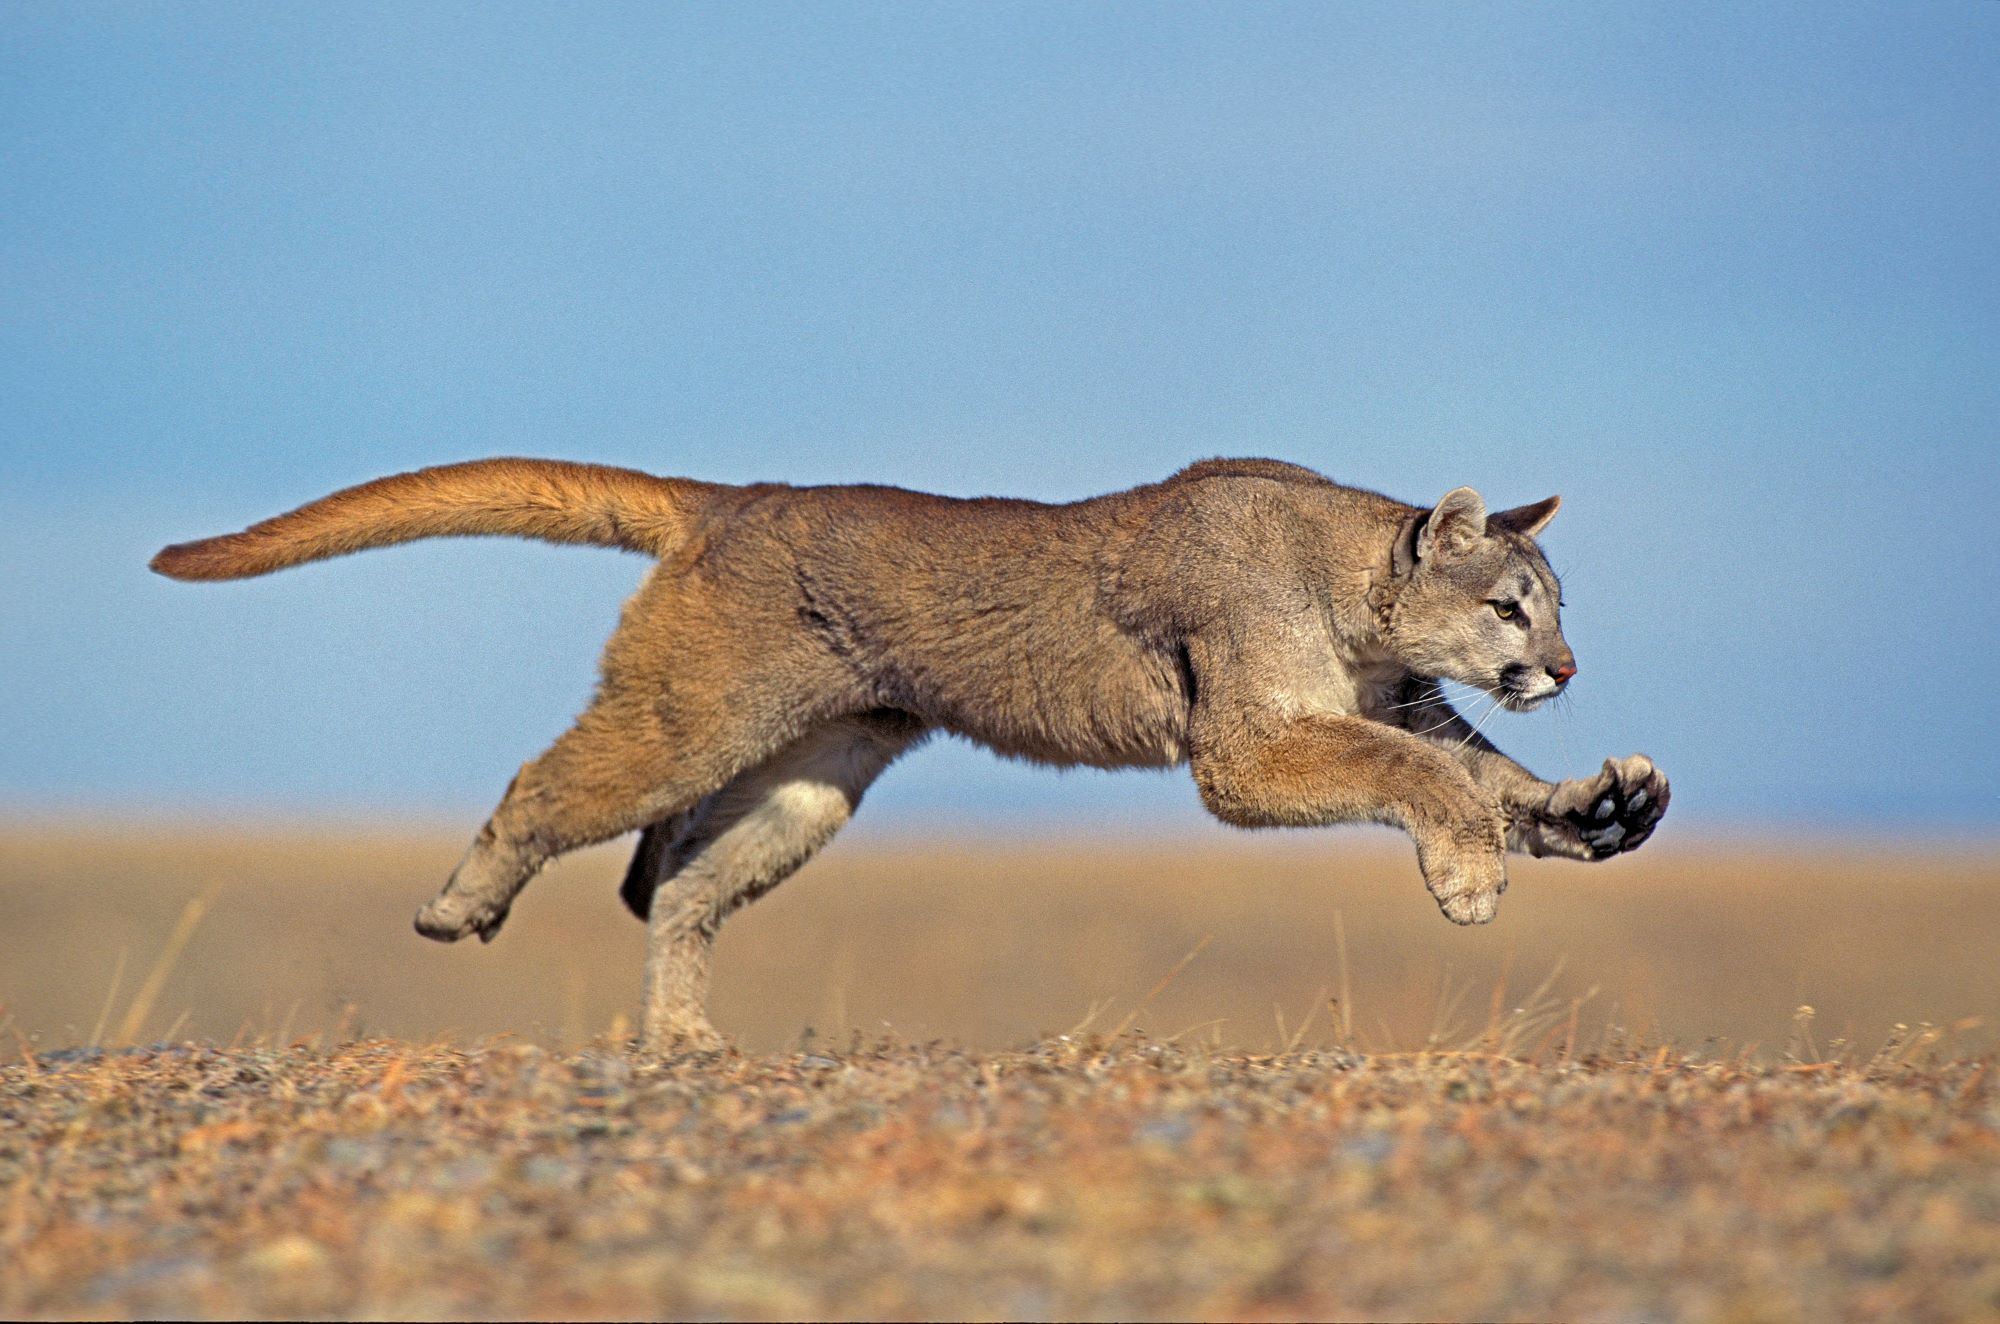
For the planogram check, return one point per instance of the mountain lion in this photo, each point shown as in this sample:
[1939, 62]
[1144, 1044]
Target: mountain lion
[1282, 635]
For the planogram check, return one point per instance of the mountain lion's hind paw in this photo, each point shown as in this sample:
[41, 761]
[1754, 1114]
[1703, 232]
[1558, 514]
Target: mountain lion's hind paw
[1620, 807]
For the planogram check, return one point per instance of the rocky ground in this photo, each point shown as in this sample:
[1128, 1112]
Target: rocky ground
[1084, 1178]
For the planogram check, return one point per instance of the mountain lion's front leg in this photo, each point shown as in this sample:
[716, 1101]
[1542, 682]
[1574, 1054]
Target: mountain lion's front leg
[1258, 770]
[1585, 818]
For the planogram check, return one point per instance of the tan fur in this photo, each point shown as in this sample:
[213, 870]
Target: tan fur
[1281, 634]
[548, 499]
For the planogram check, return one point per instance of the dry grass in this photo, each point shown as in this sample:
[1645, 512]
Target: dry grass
[1234, 1077]
[992, 945]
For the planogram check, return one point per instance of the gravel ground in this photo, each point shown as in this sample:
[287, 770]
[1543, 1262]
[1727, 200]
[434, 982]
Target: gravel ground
[1080, 1179]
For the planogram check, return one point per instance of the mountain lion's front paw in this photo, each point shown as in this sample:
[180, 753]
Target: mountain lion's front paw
[454, 915]
[1466, 880]
[1615, 810]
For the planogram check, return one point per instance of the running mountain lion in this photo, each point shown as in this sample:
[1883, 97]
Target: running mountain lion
[1282, 635]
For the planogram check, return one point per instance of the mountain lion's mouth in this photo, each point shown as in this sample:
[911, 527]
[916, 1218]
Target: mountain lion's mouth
[1522, 701]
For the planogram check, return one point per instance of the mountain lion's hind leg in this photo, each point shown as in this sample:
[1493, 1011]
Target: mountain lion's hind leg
[738, 844]
[623, 765]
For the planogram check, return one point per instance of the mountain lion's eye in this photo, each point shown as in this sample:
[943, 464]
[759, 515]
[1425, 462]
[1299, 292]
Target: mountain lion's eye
[1506, 611]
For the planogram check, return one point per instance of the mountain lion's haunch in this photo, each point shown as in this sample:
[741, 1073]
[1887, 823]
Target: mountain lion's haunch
[1280, 634]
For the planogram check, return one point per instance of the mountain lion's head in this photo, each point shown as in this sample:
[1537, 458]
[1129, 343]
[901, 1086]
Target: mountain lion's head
[1477, 602]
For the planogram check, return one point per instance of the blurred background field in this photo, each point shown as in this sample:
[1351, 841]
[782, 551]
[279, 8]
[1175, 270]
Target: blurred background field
[149, 930]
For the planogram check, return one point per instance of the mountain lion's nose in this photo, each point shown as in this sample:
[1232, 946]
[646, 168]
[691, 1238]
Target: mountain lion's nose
[1561, 673]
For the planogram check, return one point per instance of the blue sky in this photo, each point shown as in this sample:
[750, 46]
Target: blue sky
[1725, 277]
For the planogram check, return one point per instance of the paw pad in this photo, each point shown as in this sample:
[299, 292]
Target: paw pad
[1619, 818]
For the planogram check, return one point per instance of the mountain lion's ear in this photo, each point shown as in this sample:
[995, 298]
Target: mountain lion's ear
[1456, 526]
[1403, 556]
[1527, 520]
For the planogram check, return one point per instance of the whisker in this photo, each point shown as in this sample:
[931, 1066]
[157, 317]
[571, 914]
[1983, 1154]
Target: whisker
[1491, 709]
[1565, 714]
[1449, 718]
[1438, 697]
[1452, 715]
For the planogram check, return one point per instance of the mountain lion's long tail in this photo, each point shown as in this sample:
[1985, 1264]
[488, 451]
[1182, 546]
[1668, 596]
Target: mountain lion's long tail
[549, 499]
